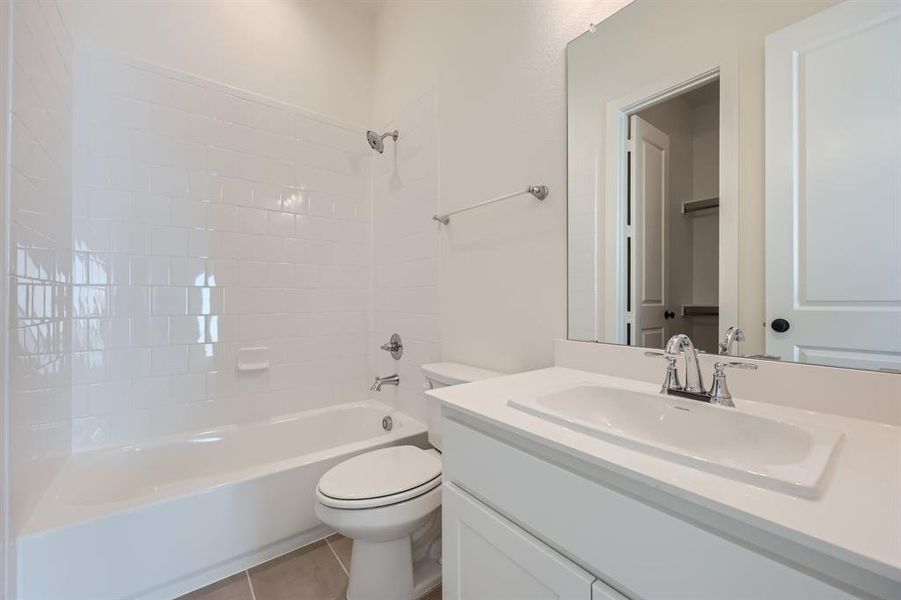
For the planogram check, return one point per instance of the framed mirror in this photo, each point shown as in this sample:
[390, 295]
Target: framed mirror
[734, 174]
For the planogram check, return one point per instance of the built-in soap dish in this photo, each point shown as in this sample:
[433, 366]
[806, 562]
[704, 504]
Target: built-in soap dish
[253, 359]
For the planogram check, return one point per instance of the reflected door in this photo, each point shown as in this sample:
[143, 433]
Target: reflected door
[833, 192]
[648, 200]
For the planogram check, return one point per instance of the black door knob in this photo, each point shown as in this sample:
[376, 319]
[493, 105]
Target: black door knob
[668, 314]
[780, 325]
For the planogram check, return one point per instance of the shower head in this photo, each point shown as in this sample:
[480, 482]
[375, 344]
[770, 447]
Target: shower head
[377, 142]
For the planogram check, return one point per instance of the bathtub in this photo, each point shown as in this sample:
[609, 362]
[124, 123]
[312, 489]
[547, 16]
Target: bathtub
[166, 517]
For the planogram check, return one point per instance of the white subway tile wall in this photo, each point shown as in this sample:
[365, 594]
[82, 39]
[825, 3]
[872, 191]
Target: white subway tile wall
[405, 186]
[40, 261]
[208, 219]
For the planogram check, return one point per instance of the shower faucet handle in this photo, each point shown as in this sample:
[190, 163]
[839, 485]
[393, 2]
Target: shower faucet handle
[395, 346]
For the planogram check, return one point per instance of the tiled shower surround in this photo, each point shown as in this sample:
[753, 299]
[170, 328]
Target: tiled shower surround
[207, 219]
[40, 257]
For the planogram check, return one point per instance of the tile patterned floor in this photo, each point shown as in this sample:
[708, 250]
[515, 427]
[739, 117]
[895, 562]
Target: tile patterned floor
[315, 572]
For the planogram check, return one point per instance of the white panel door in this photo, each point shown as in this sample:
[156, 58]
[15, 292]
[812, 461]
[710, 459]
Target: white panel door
[487, 557]
[648, 198]
[833, 187]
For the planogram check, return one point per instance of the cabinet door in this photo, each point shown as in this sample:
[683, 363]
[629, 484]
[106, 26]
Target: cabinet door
[488, 557]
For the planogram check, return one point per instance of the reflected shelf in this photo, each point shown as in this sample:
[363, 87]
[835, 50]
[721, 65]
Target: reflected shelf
[694, 206]
[700, 310]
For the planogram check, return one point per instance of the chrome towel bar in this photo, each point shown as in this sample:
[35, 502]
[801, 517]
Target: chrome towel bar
[539, 191]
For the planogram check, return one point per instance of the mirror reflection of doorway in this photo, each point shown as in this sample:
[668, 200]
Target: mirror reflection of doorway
[672, 242]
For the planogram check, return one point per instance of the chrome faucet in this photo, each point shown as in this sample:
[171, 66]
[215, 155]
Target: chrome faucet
[694, 387]
[380, 381]
[694, 381]
[733, 334]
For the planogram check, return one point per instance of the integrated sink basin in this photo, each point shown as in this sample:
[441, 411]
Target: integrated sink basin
[769, 453]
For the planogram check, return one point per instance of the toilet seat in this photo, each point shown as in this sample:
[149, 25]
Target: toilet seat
[380, 478]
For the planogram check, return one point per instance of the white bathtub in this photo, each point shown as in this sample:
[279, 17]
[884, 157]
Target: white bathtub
[164, 518]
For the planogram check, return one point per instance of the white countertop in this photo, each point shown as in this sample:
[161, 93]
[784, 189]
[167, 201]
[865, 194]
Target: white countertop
[856, 520]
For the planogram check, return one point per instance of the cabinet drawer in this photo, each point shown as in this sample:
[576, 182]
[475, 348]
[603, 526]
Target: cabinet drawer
[635, 547]
[486, 556]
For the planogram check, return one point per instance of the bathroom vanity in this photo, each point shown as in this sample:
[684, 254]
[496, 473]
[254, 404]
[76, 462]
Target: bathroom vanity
[545, 509]
[712, 156]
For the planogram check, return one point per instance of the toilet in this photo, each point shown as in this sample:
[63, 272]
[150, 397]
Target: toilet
[388, 502]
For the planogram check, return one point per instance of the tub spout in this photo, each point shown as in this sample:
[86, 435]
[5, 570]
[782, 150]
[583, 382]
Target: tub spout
[380, 381]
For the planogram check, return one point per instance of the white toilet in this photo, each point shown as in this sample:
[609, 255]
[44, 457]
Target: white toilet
[388, 502]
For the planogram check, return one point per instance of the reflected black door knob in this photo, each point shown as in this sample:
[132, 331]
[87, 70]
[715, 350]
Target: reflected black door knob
[780, 325]
[668, 314]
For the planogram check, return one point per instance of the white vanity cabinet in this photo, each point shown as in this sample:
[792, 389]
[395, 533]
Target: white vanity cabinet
[512, 511]
[488, 557]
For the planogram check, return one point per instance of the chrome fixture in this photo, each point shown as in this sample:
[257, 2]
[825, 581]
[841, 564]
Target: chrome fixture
[671, 379]
[377, 142]
[395, 346]
[387, 423]
[694, 381]
[380, 381]
[539, 191]
[719, 391]
[694, 388]
[733, 334]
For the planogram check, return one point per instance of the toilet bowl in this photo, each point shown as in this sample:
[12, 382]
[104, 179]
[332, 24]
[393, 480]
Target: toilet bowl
[379, 499]
[388, 502]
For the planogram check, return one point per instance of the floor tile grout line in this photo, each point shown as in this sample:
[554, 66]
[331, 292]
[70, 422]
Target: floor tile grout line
[253, 595]
[338, 558]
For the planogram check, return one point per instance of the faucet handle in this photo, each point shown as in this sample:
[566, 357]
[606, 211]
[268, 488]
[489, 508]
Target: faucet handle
[395, 346]
[719, 368]
[719, 391]
[671, 381]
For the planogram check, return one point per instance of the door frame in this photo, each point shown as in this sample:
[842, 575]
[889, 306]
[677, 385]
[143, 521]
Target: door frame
[612, 219]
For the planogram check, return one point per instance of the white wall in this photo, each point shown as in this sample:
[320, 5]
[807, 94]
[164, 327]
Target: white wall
[38, 171]
[497, 69]
[317, 55]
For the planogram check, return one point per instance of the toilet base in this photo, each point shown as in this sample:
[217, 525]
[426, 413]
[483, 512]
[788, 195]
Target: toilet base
[385, 571]
[381, 570]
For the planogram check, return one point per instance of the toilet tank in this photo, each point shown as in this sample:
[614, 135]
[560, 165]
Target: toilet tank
[443, 374]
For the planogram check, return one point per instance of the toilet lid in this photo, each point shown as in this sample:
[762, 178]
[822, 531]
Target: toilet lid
[380, 473]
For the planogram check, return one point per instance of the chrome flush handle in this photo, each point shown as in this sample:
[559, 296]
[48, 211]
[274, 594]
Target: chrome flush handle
[719, 391]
